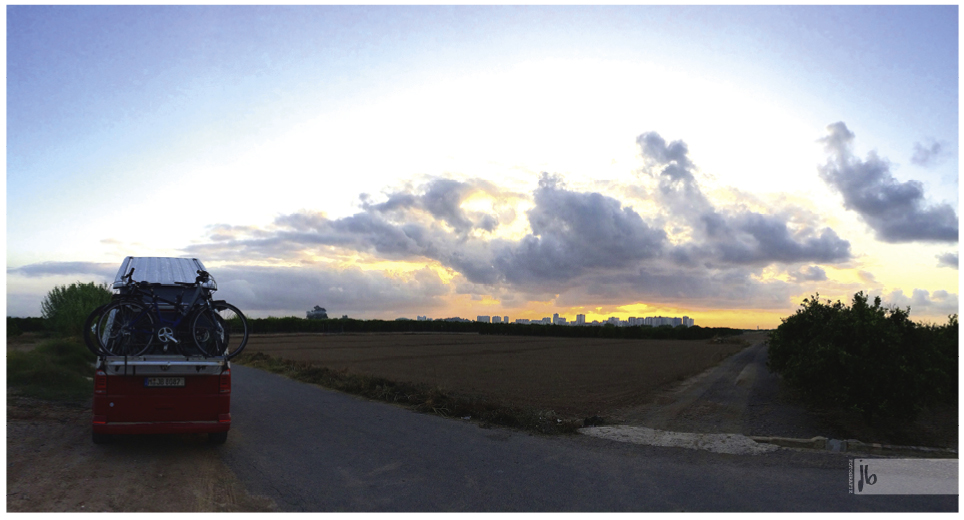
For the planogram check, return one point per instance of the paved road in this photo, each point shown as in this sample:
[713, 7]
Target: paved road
[311, 449]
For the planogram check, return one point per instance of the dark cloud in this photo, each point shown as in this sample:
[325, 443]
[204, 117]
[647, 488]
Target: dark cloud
[574, 232]
[929, 155]
[743, 237]
[894, 210]
[947, 260]
[105, 271]
[810, 273]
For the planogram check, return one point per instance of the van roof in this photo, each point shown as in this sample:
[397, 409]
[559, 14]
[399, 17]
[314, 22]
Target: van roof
[159, 269]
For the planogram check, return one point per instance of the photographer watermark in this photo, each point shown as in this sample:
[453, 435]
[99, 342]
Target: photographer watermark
[903, 476]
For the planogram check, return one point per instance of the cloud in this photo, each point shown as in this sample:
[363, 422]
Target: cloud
[573, 233]
[894, 210]
[947, 260]
[263, 290]
[579, 243]
[938, 303]
[866, 277]
[732, 288]
[929, 155]
[736, 237]
[811, 273]
[442, 199]
[107, 271]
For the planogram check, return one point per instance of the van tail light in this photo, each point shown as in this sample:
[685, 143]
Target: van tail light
[226, 381]
[100, 382]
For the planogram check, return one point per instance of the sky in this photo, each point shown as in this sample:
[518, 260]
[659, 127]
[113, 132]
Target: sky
[722, 163]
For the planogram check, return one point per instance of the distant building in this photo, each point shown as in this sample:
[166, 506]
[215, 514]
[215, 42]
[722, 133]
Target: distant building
[505, 319]
[580, 319]
[483, 319]
[496, 319]
[522, 321]
[318, 313]
[422, 318]
[547, 321]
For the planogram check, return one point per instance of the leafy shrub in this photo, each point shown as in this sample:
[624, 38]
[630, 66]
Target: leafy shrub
[867, 358]
[66, 307]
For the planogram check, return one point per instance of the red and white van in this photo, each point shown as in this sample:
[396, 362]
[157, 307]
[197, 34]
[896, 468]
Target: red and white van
[162, 391]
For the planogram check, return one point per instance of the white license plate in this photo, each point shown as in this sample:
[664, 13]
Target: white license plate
[163, 381]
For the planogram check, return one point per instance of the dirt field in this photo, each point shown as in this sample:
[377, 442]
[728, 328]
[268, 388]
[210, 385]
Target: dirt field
[582, 377]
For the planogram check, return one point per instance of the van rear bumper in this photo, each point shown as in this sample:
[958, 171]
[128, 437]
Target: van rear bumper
[123, 428]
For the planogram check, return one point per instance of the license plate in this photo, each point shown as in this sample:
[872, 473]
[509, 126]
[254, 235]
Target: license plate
[163, 381]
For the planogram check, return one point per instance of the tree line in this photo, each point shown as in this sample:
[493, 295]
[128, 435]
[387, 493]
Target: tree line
[341, 325]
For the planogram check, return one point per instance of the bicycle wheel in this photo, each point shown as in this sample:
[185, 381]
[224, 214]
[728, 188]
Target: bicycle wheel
[90, 330]
[125, 328]
[220, 330]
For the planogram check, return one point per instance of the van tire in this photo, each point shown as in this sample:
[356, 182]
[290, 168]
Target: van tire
[218, 437]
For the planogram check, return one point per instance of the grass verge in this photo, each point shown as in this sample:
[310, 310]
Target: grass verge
[421, 397]
[59, 369]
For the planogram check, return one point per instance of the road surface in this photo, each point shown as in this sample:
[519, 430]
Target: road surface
[313, 449]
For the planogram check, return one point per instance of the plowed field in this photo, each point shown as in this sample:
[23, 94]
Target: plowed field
[568, 375]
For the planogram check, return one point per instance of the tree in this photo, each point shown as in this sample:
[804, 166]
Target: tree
[66, 307]
[867, 358]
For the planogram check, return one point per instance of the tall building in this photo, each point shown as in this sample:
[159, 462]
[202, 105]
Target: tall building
[482, 319]
[496, 319]
[505, 319]
[580, 319]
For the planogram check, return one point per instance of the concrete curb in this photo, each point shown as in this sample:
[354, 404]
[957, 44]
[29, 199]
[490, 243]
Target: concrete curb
[855, 446]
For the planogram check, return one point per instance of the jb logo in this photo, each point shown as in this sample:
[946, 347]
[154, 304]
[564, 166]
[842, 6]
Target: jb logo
[866, 476]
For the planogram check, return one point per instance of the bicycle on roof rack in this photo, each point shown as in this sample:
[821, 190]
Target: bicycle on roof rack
[137, 323]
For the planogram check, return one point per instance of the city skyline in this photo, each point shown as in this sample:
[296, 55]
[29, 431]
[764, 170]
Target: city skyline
[381, 161]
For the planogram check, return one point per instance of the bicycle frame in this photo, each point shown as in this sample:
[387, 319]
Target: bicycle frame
[164, 328]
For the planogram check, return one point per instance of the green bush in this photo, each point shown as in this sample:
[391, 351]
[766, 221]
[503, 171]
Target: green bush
[66, 307]
[58, 369]
[867, 358]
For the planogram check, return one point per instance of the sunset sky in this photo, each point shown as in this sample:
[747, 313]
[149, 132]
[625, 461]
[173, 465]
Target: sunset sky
[716, 162]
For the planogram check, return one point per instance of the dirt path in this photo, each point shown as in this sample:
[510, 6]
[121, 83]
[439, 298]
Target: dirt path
[737, 396]
[741, 396]
[53, 466]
